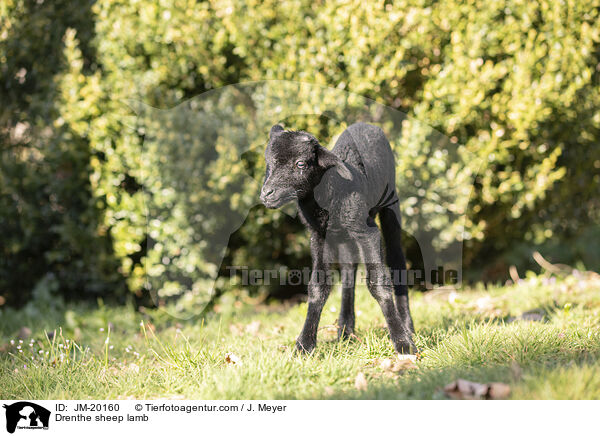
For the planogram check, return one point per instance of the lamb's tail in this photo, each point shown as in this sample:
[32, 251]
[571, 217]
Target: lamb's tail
[388, 201]
[388, 198]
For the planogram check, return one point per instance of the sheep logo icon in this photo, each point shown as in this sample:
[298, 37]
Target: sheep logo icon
[26, 415]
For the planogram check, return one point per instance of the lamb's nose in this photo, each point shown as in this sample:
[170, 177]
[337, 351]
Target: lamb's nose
[266, 194]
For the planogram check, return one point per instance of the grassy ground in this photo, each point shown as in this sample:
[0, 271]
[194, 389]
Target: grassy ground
[470, 334]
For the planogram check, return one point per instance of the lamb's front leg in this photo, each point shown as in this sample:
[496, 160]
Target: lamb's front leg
[318, 292]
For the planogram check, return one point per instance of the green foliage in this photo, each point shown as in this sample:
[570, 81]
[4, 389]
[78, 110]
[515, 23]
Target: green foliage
[513, 85]
[49, 218]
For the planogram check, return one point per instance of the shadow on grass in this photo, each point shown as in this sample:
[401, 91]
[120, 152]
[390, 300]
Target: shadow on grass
[522, 354]
[427, 383]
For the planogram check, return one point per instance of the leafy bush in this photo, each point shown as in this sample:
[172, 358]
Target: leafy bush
[49, 217]
[513, 86]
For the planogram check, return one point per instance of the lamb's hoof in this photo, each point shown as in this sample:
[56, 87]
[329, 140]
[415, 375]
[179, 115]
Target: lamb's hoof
[305, 347]
[406, 346]
[345, 333]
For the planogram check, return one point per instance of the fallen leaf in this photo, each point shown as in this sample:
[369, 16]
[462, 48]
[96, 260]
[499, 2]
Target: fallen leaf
[236, 329]
[467, 390]
[329, 328]
[233, 359]
[386, 364]
[400, 364]
[484, 303]
[403, 365]
[498, 391]
[253, 327]
[360, 382]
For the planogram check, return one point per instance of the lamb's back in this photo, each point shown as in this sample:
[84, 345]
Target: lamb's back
[365, 147]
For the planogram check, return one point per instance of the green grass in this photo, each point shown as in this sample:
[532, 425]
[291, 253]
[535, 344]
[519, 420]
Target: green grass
[469, 334]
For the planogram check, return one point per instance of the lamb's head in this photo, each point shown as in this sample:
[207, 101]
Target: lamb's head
[296, 163]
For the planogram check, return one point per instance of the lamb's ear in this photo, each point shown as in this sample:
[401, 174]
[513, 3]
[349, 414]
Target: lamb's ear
[327, 159]
[275, 130]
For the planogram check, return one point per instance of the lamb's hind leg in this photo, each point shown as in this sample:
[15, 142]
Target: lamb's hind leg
[392, 234]
[347, 319]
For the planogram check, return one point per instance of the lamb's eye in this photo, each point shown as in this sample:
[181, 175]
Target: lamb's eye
[301, 164]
